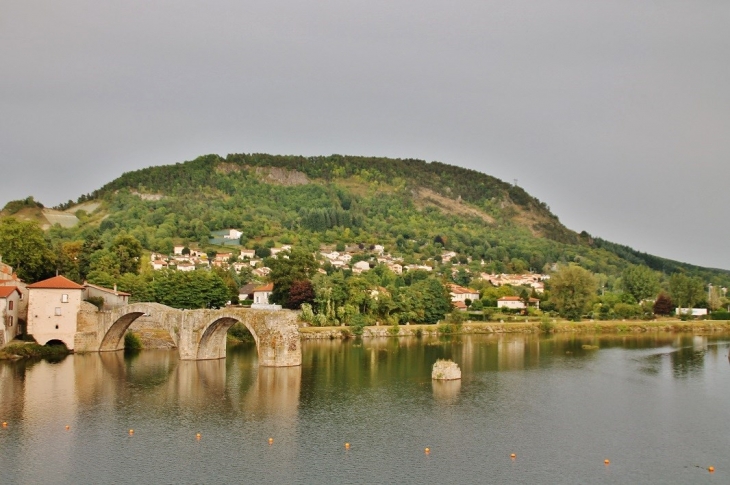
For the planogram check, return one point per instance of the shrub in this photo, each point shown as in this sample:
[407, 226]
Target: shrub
[132, 342]
[97, 301]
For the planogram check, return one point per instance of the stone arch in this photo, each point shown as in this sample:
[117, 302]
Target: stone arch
[212, 344]
[114, 337]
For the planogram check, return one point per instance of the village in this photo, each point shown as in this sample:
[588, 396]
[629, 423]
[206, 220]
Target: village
[48, 309]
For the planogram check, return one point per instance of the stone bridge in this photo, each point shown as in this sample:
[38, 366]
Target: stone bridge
[198, 334]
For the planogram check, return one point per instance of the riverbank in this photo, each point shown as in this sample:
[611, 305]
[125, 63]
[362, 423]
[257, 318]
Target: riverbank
[469, 328]
[31, 350]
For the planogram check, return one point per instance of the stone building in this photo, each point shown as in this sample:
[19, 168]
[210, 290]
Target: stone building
[9, 308]
[53, 306]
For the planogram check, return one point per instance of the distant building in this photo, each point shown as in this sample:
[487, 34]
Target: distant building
[234, 234]
[695, 312]
[112, 297]
[53, 306]
[459, 293]
[516, 303]
[9, 306]
[261, 296]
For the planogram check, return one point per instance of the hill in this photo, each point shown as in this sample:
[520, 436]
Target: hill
[417, 211]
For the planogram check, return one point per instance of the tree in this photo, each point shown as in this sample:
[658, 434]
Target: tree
[571, 290]
[640, 281]
[685, 290]
[300, 292]
[284, 272]
[24, 247]
[193, 289]
[128, 251]
[663, 305]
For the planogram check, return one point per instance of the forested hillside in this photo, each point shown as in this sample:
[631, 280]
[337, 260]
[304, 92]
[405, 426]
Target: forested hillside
[414, 209]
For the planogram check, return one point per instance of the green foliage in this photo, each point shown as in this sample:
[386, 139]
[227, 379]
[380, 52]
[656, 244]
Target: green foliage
[240, 333]
[132, 342]
[685, 290]
[24, 247]
[194, 289]
[97, 301]
[640, 282]
[53, 353]
[299, 267]
[15, 206]
[572, 289]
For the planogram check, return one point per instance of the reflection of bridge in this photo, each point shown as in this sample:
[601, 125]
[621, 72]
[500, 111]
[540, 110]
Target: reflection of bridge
[198, 334]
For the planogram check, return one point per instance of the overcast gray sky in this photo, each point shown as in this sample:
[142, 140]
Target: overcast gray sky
[615, 113]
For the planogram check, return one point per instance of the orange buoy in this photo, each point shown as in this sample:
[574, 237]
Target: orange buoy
[68, 427]
[347, 446]
[271, 441]
[131, 431]
[513, 456]
[427, 450]
[197, 436]
[606, 462]
[5, 424]
[711, 469]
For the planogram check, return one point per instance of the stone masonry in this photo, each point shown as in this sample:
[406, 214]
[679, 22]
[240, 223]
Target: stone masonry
[198, 334]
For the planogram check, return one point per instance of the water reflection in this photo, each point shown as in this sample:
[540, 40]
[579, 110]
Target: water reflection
[446, 392]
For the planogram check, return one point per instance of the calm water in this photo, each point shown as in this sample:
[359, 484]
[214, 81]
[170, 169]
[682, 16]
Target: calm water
[657, 406]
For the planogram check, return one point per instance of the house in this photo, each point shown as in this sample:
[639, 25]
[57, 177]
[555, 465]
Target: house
[248, 253]
[234, 234]
[459, 293]
[53, 306]
[159, 264]
[185, 267]
[261, 272]
[178, 250]
[360, 267]
[9, 307]
[261, 296]
[246, 292]
[112, 298]
[516, 303]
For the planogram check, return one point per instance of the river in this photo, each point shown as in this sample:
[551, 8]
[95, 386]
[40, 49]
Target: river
[657, 406]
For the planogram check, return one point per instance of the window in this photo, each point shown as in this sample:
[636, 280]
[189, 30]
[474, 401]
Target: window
[64, 298]
[58, 311]
[10, 305]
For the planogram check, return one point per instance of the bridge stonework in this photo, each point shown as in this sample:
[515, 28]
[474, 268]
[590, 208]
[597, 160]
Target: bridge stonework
[198, 334]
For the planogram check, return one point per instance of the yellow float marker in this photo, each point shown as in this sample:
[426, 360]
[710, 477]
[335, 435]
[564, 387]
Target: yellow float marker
[347, 446]
[271, 441]
[606, 462]
[68, 427]
[711, 469]
[513, 456]
[197, 436]
[427, 451]
[131, 432]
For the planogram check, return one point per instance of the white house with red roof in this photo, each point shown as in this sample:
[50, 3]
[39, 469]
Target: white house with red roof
[516, 303]
[53, 307]
[9, 305]
[261, 296]
[459, 293]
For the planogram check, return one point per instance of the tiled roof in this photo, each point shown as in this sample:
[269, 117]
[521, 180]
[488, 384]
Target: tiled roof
[269, 287]
[6, 291]
[57, 282]
[101, 288]
[456, 289]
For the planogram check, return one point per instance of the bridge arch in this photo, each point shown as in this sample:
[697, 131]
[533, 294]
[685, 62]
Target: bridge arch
[114, 337]
[213, 342]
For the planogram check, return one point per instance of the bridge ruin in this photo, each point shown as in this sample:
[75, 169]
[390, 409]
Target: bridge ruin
[198, 334]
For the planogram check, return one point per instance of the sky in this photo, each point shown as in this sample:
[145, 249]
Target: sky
[615, 113]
